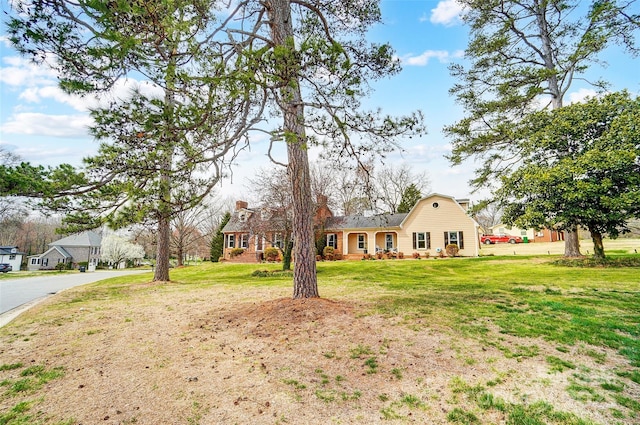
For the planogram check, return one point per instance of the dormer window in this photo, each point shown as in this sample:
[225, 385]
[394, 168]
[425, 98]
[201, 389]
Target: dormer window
[242, 216]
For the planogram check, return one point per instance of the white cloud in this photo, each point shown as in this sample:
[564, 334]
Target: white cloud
[442, 56]
[447, 12]
[45, 154]
[581, 95]
[37, 124]
[19, 72]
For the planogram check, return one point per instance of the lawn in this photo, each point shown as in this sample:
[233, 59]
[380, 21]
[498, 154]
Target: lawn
[511, 339]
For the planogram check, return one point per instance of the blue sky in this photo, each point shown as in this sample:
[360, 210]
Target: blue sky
[45, 126]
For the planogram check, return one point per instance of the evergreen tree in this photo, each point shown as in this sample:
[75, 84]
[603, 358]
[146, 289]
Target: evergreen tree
[596, 185]
[521, 55]
[410, 197]
[163, 147]
[217, 242]
[314, 65]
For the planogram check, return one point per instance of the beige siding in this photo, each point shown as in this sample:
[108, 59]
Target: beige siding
[448, 216]
[503, 229]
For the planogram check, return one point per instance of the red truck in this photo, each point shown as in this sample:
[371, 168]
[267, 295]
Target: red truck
[489, 239]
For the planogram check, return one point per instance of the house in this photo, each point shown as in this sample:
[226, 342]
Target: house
[433, 223]
[532, 235]
[74, 249]
[11, 255]
[250, 231]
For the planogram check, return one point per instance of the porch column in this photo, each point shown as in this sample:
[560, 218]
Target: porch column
[345, 243]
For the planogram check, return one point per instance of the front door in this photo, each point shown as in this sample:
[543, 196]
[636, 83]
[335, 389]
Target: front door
[388, 241]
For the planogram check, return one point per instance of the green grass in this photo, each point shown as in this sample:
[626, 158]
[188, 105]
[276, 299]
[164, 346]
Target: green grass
[522, 296]
[31, 379]
[591, 306]
[576, 309]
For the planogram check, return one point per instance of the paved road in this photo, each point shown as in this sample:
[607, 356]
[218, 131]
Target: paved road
[20, 292]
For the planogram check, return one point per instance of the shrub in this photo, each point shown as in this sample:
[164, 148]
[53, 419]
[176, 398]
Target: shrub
[416, 255]
[328, 250]
[427, 254]
[337, 256]
[60, 266]
[271, 254]
[272, 273]
[452, 250]
[379, 255]
[236, 251]
[401, 255]
[318, 257]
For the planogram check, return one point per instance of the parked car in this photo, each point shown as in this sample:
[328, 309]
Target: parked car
[489, 239]
[5, 267]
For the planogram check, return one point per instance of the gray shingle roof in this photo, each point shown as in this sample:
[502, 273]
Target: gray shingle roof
[6, 250]
[84, 239]
[362, 222]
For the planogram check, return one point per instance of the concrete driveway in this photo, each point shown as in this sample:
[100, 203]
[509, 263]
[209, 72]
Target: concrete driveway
[17, 295]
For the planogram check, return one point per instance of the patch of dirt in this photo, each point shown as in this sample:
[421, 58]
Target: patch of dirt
[228, 356]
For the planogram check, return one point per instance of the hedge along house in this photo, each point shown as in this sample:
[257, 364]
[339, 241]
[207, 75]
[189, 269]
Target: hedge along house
[433, 223]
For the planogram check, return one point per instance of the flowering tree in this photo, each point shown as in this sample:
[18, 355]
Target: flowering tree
[116, 250]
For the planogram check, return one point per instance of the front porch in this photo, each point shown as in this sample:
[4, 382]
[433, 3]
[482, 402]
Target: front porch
[360, 243]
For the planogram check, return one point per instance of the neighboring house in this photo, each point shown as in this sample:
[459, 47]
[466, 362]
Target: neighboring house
[433, 223]
[79, 248]
[11, 255]
[542, 235]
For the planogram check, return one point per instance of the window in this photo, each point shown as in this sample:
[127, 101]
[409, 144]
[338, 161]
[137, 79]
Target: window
[35, 261]
[259, 242]
[435, 205]
[231, 241]
[332, 240]
[362, 241]
[277, 240]
[12, 257]
[421, 240]
[454, 237]
[244, 240]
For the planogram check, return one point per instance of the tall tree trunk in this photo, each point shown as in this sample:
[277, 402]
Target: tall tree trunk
[161, 273]
[598, 246]
[572, 243]
[305, 282]
[571, 240]
[166, 147]
[180, 255]
[164, 221]
[286, 255]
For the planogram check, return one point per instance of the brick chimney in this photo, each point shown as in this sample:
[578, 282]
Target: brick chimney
[241, 205]
[322, 211]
